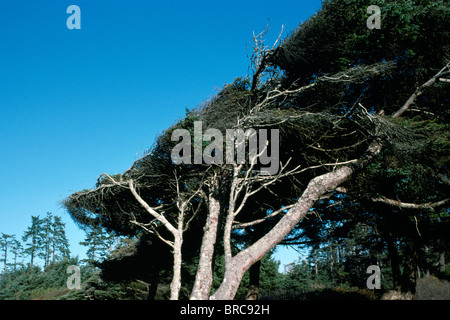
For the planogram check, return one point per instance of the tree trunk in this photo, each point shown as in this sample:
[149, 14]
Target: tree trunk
[409, 269]
[31, 262]
[442, 262]
[316, 266]
[240, 263]
[6, 256]
[255, 270]
[204, 276]
[332, 262]
[395, 267]
[153, 283]
[253, 289]
[175, 285]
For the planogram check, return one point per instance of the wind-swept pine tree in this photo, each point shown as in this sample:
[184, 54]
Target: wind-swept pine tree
[358, 112]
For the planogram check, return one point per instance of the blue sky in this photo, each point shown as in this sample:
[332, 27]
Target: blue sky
[76, 103]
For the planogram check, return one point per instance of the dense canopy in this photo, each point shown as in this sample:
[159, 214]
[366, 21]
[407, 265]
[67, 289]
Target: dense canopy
[363, 124]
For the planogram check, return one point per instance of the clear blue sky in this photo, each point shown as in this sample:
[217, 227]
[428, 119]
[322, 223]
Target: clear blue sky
[76, 103]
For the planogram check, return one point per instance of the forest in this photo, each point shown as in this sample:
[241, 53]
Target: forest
[357, 119]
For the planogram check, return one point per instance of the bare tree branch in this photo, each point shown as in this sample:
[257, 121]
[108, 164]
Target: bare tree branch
[259, 55]
[150, 210]
[353, 74]
[240, 225]
[417, 206]
[420, 90]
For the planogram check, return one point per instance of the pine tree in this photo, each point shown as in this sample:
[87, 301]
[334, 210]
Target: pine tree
[98, 243]
[46, 239]
[17, 251]
[53, 238]
[5, 243]
[60, 244]
[33, 235]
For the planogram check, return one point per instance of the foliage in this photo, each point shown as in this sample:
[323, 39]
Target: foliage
[46, 238]
[99, 244]
[44, 242]
[338, 85]
[34, 283]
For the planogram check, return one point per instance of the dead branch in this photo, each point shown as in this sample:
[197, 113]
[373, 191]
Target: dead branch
[420, 89]
[151, 210]
[416, 206]
[240, 225]
[353, 74]
[260, 53]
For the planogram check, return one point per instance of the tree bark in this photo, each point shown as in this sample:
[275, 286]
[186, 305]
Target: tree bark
[177, 233]
[417, 206]
[175, 285]
[204, 276]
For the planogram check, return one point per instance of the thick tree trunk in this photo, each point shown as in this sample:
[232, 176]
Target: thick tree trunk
[240, 263]
[204, 276]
